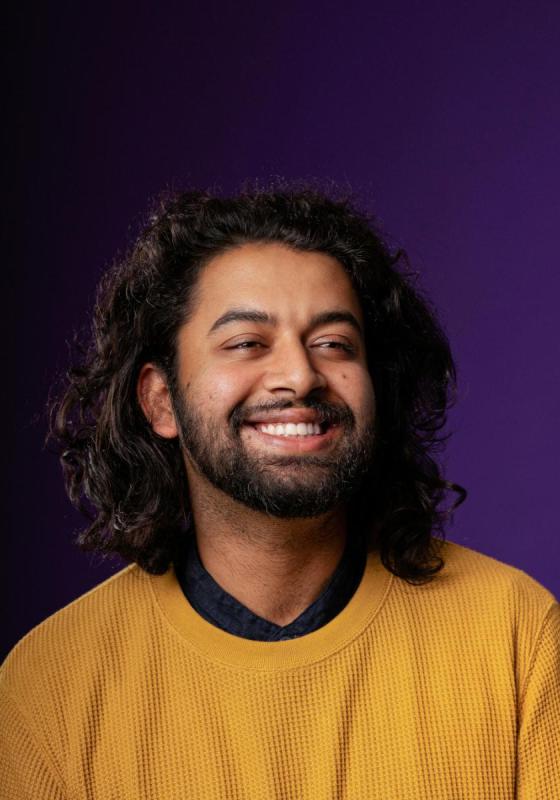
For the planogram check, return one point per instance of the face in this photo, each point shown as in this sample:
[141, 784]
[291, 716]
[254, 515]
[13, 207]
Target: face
[274, 403]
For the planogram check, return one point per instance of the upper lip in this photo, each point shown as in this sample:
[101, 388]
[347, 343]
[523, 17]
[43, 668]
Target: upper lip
[294, 415]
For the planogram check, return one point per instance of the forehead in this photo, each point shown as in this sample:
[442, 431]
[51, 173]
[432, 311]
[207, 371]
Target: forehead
[276, 279]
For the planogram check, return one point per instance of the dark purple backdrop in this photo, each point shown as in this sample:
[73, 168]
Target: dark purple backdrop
[444, 117]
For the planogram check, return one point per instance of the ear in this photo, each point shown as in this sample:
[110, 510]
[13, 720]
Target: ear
[155, 401]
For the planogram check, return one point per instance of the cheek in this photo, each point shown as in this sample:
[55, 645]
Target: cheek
[222, 389]
[367, 406]
[356, 387]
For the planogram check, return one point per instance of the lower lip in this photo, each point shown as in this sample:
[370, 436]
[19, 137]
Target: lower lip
[296, 444]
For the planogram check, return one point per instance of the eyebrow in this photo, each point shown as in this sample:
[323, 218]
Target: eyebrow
[254, 315]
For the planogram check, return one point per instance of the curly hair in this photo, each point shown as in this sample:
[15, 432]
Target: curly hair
[131, 483]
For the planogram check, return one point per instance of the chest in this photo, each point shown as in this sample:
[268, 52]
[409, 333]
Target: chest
[381, 720]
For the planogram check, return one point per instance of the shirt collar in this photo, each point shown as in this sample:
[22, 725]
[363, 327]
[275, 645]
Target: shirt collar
[222, 609]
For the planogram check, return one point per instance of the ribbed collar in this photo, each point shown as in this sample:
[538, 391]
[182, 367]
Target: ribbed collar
[222, 648]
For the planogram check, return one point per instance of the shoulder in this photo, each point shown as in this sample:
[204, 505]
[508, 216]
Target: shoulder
[498, 601]
[469, 571]
[77, 635]
[480, 605]
[58, 680]
[482, 597]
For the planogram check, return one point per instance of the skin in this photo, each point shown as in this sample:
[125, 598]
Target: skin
[275, 567]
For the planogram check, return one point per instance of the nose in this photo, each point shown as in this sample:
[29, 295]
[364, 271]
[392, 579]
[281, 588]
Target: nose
[293, 370]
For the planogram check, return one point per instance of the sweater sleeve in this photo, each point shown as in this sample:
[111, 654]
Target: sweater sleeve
[25, 771]
[538, 775]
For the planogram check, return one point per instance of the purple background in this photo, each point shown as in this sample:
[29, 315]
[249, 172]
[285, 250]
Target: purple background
[444, 117]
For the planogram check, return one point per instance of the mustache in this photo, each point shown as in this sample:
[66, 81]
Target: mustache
[329, 413]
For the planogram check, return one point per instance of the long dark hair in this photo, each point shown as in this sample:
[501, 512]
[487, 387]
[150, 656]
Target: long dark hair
[131, 483]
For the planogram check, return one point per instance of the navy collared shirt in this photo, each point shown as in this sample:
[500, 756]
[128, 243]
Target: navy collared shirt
[221, 609]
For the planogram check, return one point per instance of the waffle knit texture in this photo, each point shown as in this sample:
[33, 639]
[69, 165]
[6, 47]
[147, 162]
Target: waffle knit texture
[449, 690]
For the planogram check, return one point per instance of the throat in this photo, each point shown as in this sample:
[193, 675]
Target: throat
[278, 571]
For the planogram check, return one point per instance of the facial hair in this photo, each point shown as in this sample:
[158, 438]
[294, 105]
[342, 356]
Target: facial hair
[288, 486]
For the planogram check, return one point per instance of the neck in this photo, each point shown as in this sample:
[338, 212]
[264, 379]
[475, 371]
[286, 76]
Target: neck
[275, 567]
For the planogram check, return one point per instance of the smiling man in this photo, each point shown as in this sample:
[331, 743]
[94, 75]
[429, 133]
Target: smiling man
[273, 404]
[254, 427]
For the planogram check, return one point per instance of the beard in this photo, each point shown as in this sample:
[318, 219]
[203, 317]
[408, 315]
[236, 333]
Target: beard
[286, 486]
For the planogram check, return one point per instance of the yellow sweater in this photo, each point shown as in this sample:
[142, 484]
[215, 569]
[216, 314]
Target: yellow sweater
[449, 690]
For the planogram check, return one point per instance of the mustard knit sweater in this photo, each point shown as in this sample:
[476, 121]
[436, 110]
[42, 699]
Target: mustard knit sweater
[448, 690]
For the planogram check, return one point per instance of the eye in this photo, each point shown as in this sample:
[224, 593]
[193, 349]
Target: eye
[250, 344]
[333, 344]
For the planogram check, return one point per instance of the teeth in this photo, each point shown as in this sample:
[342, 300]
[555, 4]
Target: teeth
[291, 429]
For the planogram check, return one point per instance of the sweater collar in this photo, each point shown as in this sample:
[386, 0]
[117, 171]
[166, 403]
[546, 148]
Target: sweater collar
[220, 647]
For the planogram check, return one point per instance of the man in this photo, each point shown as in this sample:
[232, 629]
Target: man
[255, 428]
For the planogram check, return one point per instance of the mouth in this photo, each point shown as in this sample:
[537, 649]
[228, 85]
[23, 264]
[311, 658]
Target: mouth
[296, 437]
[292, 429]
